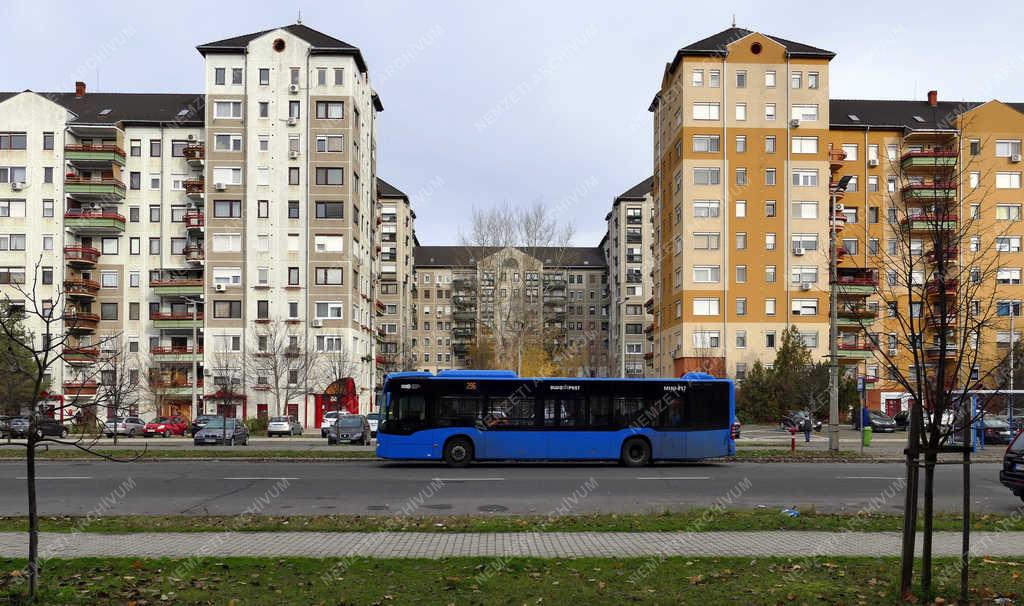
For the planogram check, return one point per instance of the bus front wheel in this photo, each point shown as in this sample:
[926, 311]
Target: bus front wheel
[636, 453]
[458, 452]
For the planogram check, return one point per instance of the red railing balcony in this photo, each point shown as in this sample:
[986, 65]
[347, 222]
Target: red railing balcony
[77, 321]
[929, 185]
[836, 156]
[857, 347]
[83, 388]
[71, 147]
[932, 153]
[172, 349]
[193, 253]
[938, 321]
[81, 355]
[948, 287]
[72, 179]
[857, 280]
[195, 151]
[194, 220]
[79, 213]
[949, 253]
[165, 383]
[194, 186]
[176, 282]
[857, 313]
[87, 288]
[83, 255]
[165, 315]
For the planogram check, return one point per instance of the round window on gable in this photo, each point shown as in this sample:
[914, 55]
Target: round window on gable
[755, 48]
[279, 45]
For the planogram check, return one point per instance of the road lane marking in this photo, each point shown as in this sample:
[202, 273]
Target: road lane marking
[263, 479]
[674, 478]
[468, 479]
[56, 478]
[867, 478]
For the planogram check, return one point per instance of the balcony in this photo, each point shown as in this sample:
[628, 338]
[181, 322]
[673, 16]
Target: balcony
[929, 222]
[934, 352]
[194, 254]
[167, 353]
[464, 315]
[947, 321]
[107, 189]
[194, 220]
[81, 356]
[81, 256]
[78, 322]
[195, 154]
[167, 320]
[634, 238]
[856, 285]
[937, 190]
[76, 389]
[462, 332]
[836, 158]
[175, 387]
[857, 351]
[194, 188]
[169, 287]
[94, 156]
[93, 222]
[928, 159]
[86, 289]
[947, 288]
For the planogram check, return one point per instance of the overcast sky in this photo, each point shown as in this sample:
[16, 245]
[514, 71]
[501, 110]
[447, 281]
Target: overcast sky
[533, 100]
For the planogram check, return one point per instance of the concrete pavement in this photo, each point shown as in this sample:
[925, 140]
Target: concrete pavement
[380, 488]
[518, 544]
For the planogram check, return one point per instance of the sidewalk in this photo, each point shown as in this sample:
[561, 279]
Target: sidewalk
[525, 544]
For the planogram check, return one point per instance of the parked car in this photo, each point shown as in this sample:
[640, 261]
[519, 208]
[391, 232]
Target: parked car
[18, 427]
[126, 426]
[284, 426]
[997, 430]
[1012, 474]
[877, 421]
[166, 427]
[222, 431]
[5, 422]
[329, 418]
[736, 429]
[795, 419]
[354, 429]
[198, 423]
[374, 419]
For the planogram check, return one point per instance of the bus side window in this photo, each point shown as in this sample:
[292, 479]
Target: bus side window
[410, 408]
[600, 411]
[628, 411]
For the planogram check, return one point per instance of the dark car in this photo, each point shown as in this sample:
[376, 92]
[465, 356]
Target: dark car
[997, 430]
[198, 423]
[1012, 474]
[222, 431]
[354, 429]
[878, 422]
[794, 420]
[18, 427]
[4, 423]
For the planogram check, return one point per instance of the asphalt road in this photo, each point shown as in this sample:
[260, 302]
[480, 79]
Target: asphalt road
[377, 488]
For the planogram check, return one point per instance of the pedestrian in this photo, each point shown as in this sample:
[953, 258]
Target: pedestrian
[806, 426]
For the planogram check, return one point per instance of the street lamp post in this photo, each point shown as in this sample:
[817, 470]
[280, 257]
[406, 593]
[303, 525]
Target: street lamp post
[833, 309]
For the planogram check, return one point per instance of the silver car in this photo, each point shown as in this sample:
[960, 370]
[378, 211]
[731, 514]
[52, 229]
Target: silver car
[283, 426]
[124, 426]
[219, 430]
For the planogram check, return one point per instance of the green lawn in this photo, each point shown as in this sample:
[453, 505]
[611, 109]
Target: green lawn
[241, 581]
[694, 520]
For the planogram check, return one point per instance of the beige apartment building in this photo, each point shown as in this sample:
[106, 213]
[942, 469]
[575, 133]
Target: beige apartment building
[188, 225]
[396, 286]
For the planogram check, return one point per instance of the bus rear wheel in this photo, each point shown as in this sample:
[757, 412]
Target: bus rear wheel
[458, 452]
[636, 453]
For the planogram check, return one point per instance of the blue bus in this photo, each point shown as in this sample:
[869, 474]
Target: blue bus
[460, 416]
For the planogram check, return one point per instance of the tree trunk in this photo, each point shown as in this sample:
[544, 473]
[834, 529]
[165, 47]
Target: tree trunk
[33, 519]
[926, 540]
[910, 506]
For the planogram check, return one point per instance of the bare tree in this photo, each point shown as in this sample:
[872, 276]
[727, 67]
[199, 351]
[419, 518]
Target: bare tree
[939, 297]
[281, 362]
[43, 335]
[120, 384]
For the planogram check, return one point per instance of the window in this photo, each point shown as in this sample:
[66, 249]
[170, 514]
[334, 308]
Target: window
[1008, 212]
[741, 274]
[805, 242]
[227, 209]
[851, 151]
[227, 142]
[15, 208]
[219, 76]
[705, 307]
[329, 310]
[154, 180]
[108, 246]
[812, 80]
[48, 174]
[264, 109]
[796, 79]
[873, 184]
[293, 276]
[769, 310]
[263, 209]
[741, 240]
[226, 242]
[1007, 180]
[294, 73]
[769, 241]
[329, 244]
[741, 144]
[227, 109]
[334, 276]
[331, 143]
[706, 273]
[769, 111]
[264, 74]
[741, 306]
[339, 76]
[974, 179]
[769, 144]
[705, 111]
[1007, 147]
[1008, 243]
[741, 111]
[321, 76]
[705, 176]
[805, 178]
[329, 176]
[805, 113]
[330, 110]
[769, 274]
[769, 208]
[48, 208]
[706, 143]
[135, 180]
[706, 241]
[805, 307]
[227, 309]
[804, 274]
[805, 210]
[741, 176]
[293, 209]
[706, 208]
[154, 246]
[741, 78]
[293, 175]
[227, 276]
[294, 109]
[47, 140]
[330, 210]
[805, 145]
[741, 209]
[108, 311]
[1007, 276]
[769, 79]
[706, 339]
[975, 147]
[697, 78]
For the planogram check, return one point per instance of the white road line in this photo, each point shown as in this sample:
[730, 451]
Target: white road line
[674, 478]
[867, 478]
[56, 478]
[263, 479]
[468, 479]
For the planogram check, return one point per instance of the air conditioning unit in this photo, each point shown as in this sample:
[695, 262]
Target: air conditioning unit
[318, 323]
[798, 251]
[892, 351]
[94, 206]
[294, 155]
[839, 207]
[293, 88]
[794, 123]
[1015, 158]
[805, 286]
[872, 162]
[292, 121]
[220, 186]
[220, 287]
[191, 138]
[17, 185]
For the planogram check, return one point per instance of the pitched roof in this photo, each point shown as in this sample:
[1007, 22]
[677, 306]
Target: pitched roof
[112, 108]
[387, 190]
[716, 46]
[638, 191]
[321, 43]
[466, 256]
[916, 115]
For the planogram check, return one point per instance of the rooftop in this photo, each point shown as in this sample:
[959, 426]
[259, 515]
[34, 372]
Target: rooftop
[111, 108]
[321, 43]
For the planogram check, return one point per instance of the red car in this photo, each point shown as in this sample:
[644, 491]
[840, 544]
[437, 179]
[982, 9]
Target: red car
[166, 427]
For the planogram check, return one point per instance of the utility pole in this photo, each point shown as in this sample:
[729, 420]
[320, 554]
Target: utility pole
[833, 312]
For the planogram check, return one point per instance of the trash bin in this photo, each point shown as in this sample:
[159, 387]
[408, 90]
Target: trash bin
[865, 435]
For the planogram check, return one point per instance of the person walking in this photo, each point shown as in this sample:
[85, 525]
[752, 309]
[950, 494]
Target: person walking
[807, 426]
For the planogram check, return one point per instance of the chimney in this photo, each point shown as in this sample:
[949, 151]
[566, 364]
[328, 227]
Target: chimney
[79, 89]
[933, 98]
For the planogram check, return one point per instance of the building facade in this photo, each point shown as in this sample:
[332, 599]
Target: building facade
[396, 287]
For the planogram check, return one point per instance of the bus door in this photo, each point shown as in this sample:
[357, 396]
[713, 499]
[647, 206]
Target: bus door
[573, 438]
[511, 428]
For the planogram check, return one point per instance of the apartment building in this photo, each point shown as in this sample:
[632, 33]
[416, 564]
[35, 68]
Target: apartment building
[468, 296]
[397, 284]
[189, 225]
[628, 249]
